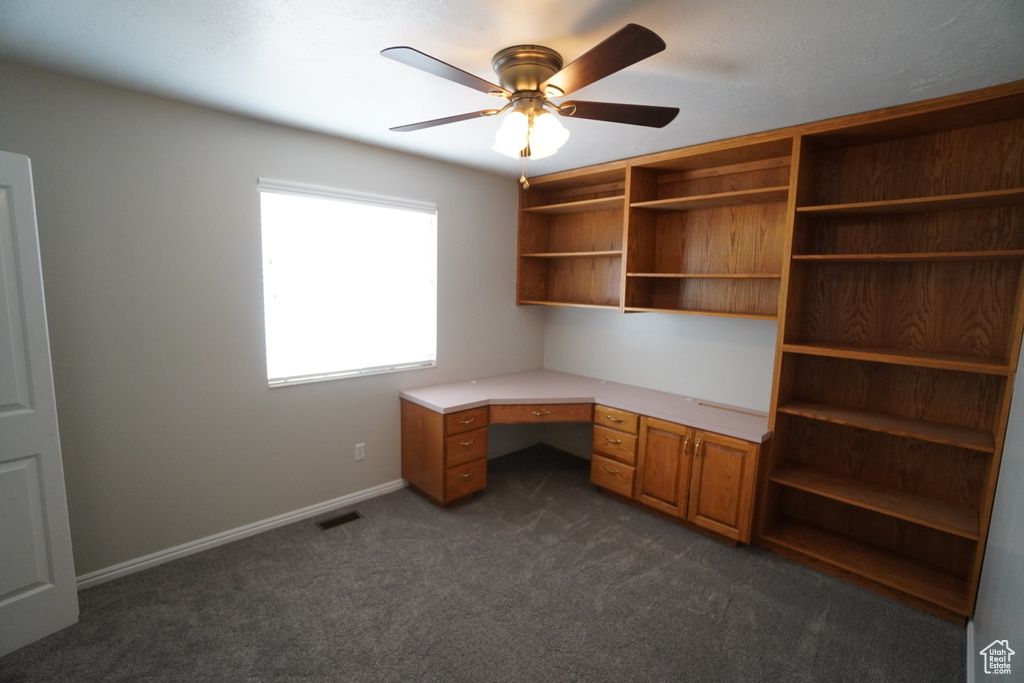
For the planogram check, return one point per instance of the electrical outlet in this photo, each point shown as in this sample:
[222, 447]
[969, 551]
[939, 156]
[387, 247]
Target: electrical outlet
[360, 451]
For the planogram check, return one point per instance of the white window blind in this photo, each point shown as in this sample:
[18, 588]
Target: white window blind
[349, 283]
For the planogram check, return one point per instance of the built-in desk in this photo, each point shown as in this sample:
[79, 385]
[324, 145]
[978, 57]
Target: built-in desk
[690, 460]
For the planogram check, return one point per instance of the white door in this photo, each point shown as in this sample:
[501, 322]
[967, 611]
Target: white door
[37, 574]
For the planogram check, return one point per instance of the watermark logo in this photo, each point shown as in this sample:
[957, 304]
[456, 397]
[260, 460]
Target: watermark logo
[997, 657]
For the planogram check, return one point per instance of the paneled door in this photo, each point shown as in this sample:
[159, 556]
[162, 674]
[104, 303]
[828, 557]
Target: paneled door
[37, 576]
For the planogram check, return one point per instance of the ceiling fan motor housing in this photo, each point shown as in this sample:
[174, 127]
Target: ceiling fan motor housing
[525, 67]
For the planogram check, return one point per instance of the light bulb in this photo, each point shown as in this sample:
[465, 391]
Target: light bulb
[511, 137]
[546, 135]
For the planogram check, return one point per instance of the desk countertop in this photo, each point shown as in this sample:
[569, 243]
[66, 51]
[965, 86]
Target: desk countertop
[548, 386]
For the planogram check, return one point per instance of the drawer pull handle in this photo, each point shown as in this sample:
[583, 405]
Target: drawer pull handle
[539, 413]
[609, 471]
[611, 440]
[613, 419]
[696, 448]
[686, 444]
[468, 474]
[466, 422]
[467, 443]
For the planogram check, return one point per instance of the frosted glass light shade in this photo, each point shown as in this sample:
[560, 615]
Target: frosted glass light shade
[547, 135]
[510, 139]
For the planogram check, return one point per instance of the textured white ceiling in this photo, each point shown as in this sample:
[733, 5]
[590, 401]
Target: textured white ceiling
[732, 66]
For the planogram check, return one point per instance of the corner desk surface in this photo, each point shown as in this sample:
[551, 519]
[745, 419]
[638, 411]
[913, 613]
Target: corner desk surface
[549, 386]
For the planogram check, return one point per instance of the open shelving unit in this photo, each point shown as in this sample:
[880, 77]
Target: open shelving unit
[705, 228]
[692, 231]
[889, 246]
[900, 329]
[571, 239]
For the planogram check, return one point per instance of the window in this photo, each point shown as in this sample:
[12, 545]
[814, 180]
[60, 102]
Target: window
[349, 283]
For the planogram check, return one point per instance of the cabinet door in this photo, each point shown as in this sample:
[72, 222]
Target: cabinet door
[663, 465]
[722, 484]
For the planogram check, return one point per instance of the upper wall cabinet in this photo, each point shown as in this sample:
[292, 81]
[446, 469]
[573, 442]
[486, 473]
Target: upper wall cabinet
[705, 229]
[697, 230]
[571, 238]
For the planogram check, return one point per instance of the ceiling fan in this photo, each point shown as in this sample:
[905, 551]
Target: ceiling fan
[530, 75]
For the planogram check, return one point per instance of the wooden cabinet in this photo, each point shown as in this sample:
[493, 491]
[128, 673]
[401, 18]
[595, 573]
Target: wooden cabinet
[571, 239]
[698, 230]
[444, 457]
[722, 481]
[900, 333]
[613, 451]
[705, 230]
[705, 478]
[663, 466]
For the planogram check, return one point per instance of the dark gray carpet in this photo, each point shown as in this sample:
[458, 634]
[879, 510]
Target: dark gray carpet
[538, 578]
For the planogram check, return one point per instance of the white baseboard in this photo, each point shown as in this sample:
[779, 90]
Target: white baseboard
[193, 547]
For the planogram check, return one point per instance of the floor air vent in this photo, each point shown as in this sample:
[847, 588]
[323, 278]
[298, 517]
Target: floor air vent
[339, 520]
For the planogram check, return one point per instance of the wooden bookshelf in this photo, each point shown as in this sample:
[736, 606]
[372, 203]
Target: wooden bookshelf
[900, 328]
[910, 507]
[953, 435]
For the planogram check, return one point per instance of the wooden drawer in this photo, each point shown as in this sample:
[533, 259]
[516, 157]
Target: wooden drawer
[465, 479]
[462, 448]
[612, 475]
[616, 419]
[617, 445]
[552, 412]
[465, 420]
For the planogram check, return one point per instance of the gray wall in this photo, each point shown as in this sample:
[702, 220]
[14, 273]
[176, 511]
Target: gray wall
[728, 360]
[999, 612]
[150, 237]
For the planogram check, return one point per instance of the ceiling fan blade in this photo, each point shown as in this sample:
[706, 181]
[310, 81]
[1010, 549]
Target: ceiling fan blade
[424, 62]
[448, 119]
[626, 46]
[635, 114]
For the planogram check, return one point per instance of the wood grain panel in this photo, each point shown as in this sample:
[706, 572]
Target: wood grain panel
[999, 229]
[962, 399]
[942, 472]
[584, 280]
[464, 479]
[612, 475]
[423, 449]
[613, 444]
[752, 297]
[963, 308]
[972, 159]
[690, 185]
[549, 412]
[919, 545]
[734, 239]
[663, 465]
[722, 484]
[462, 448]
[465, 420]
[890, 569]
[620, 420]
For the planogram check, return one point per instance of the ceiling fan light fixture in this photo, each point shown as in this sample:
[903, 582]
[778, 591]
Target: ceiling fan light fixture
[546, 136]
[511, 138]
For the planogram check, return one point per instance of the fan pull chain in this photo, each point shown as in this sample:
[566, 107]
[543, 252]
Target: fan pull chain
[522, 177]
